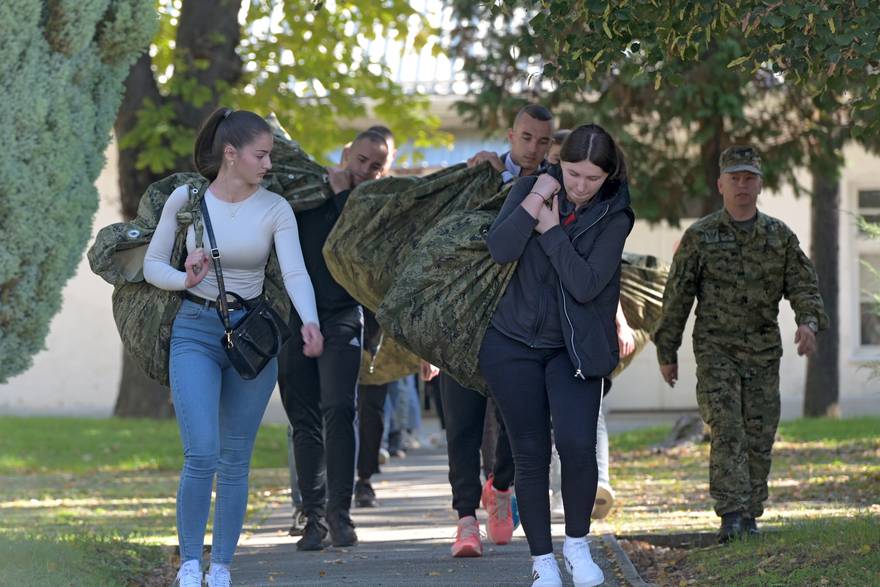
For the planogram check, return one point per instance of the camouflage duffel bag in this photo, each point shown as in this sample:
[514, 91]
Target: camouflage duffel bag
[384, 221]
[294, 175]
[144, 313]
[441, 303]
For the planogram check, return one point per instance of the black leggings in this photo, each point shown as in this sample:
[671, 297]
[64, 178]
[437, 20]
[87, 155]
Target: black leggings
[531, 387]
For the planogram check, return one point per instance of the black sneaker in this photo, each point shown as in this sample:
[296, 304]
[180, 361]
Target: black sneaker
[731, 527]
[750, 527]
[341, 529]
[299, 522]
[313, 534]
[364, 495]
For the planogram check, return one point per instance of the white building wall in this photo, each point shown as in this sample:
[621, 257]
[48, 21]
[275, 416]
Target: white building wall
[79, 371]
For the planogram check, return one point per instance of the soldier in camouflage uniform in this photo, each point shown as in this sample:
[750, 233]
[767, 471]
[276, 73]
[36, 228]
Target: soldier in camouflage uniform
[738, 263]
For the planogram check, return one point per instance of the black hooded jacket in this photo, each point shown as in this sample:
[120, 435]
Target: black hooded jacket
[566, 287]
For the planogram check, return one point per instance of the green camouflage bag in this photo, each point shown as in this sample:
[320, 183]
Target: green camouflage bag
[144, 313]
[384, 220]
[364, 260]
[442, 300]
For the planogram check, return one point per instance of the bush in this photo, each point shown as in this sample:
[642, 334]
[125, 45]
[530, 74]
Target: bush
[62, 68]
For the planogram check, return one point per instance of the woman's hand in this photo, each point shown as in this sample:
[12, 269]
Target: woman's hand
[313, 340]
[197, 265]
[546, 185]
[626, 340]
[548, 217]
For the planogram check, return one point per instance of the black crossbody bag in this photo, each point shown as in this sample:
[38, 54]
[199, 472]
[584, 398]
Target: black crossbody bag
[257, 337]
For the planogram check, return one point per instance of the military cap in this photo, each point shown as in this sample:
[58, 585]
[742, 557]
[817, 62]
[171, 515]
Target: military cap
[740, 158]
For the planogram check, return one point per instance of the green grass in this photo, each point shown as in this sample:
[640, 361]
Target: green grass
[835, 551]
[822, 520]
[80, 445]
[90, 502]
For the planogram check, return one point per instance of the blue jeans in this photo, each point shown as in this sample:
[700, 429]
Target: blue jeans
[219, 414]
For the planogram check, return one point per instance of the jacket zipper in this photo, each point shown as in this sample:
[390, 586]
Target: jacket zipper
[579, 370]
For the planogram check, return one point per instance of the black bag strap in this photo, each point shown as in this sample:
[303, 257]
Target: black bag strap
[218, 269]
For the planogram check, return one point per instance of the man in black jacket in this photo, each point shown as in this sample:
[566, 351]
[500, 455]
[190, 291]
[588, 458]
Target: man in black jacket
[471, 419]
[319, 395]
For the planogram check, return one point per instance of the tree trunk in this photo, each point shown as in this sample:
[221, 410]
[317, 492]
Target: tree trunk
[214, 48]
[822, 390]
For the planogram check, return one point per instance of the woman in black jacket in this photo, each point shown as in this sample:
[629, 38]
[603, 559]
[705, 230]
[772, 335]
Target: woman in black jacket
[552, 340]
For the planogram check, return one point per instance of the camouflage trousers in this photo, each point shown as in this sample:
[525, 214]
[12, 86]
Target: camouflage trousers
[740, 403]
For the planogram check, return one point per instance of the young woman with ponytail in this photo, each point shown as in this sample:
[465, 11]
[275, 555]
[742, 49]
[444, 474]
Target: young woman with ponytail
[217, 411]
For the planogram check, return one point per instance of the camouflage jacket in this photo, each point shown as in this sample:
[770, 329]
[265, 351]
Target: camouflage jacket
[738, 278]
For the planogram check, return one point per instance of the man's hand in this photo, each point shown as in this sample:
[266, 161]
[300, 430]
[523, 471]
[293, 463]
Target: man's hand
[340, 179]
[669, 373]
[313, 340]
[490, 156]
[428, 371]
[805, 339]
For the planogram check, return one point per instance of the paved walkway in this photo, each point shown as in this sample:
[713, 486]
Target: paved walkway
[405, 541]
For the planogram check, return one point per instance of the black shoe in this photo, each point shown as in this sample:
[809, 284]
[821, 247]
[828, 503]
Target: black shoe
[299, 522]
[313, 534]
[731, 527]
[341, 529]
[750, 527]
[364, 496]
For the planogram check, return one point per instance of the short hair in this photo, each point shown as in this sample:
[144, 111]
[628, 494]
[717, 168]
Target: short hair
[560, 135]
[536, 111]
[372, 136]
[382, 130]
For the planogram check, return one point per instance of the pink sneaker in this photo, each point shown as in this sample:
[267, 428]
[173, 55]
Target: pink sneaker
[467, 538]
[499, 526]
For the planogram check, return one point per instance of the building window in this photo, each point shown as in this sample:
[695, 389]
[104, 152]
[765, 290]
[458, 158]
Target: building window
[869, 271]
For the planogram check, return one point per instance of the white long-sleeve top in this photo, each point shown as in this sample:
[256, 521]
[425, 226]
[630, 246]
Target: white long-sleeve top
[245, 232]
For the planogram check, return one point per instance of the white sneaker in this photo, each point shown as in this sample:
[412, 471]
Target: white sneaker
[545, 572]
[189, 575]
[218, 576]
[604, 501]
[584, 572]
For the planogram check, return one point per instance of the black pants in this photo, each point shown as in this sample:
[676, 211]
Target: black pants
[465, 411]
[533, 387]
[319, 396]
[371, 412]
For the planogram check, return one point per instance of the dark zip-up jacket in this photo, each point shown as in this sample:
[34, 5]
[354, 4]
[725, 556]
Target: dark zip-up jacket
[567, 285]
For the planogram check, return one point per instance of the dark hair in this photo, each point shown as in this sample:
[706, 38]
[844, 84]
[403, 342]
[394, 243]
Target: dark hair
[373, 136]
[382, 130]
[225, 127]
[591, 142]
[560, 135]
[536, 111]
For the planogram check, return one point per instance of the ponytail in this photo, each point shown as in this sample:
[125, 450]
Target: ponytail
[225, 126]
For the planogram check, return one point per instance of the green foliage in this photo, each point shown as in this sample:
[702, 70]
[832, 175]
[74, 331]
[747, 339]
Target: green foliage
[62, 87]
[302, 60]
[676, 84]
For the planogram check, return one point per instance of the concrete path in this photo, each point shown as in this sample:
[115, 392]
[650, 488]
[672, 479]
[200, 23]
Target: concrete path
[405, 541]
